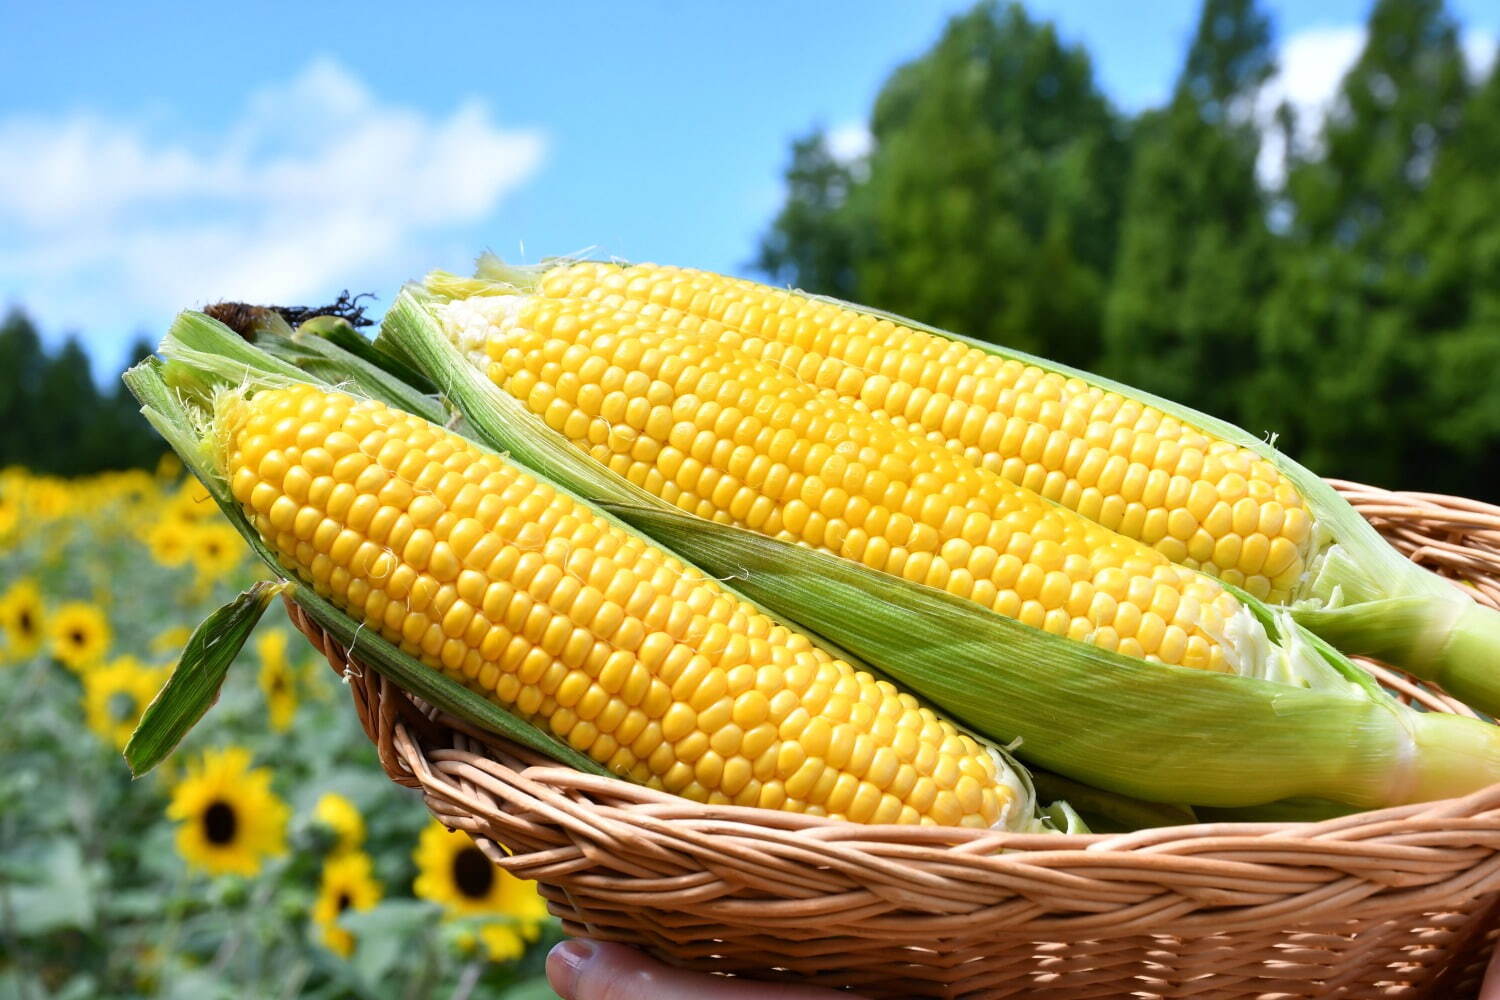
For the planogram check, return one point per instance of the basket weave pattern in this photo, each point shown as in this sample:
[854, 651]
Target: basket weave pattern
[1394, 903]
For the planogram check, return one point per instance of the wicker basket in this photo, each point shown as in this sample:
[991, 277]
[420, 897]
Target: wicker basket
[1395, 903]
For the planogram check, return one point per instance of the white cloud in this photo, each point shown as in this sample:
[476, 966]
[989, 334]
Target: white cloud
[1312, 65]
[1480, 48]
[850, 141]
[313, 185]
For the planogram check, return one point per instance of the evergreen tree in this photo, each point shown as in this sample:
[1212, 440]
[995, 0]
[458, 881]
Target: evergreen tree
[65, 429]
[1400, 101]
[55, 419]
[133, 442]
[1194, 248]
[994, 188]
[1452, 247]
[810, 243]
[21, 363]
[1335, 376]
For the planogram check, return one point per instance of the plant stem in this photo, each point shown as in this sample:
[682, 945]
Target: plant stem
[468, 980]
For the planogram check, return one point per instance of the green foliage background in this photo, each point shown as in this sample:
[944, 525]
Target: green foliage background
[96, 899]
[1353, 309]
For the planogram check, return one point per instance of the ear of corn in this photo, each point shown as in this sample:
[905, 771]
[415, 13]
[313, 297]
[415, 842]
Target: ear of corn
[702, 426]
[1318, 729]
[1201, 491]
[180, 421]
[1214, 739]
[545, 606]
[1202, 502]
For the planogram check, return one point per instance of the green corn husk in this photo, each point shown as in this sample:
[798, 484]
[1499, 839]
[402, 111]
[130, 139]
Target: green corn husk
[208, 358]
[1359, 592]
[340, 333]
[165, 410]
[1101, 811]
[1324, 730]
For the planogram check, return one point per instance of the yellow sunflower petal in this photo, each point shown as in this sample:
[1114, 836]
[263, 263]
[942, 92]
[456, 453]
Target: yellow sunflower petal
[230, 819]
[340, 815]
[80, 634]
[115, 695]
[348, 883]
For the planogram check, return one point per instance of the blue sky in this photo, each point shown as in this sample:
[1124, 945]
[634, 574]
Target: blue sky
[157, 156]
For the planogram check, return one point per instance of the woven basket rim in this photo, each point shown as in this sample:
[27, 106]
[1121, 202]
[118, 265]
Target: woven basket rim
[607, 835]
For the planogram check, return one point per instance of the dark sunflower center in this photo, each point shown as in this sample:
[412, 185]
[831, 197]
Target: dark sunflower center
[121, 706]
[343, 902]
[278, 682]
[77, 637]
[26, 623]
[220, 823]
[473, 875]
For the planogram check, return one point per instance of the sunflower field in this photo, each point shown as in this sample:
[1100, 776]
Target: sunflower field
[269, 856]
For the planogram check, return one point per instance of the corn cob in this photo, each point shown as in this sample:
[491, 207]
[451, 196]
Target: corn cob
[535, 601]
[1295, 720]
[1200, 491]
[1202, 502]
[744, 442]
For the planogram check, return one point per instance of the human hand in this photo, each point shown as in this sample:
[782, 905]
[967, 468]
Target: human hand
[1491, 988]
[594, 970]
[580, 969]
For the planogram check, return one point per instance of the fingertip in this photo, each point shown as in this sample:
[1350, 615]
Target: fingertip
[565, 964]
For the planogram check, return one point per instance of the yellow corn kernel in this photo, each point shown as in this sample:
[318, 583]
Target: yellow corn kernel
[526, 632]
[1014, 419]
[921, 511]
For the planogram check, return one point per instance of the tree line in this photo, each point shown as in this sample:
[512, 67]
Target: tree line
[54, 417]
[1346, 300]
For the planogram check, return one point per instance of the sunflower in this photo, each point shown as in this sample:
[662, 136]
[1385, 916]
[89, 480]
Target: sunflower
[191, 503]
[230, 819]
[168, 467]
[506, 942]
[115, 695]
[339, 815]
[217, 549]
[277, 682]
[170, 541]
[49, 498]
[348, 884]
[21, 617]
[451, 870]
[80, 634]
[10, 513]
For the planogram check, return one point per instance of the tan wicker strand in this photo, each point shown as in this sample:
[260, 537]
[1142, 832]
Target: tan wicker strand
[1398, 903]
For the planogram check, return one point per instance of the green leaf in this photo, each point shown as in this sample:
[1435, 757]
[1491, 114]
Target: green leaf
[197, 678]
[58, 894]
[199, 984]
[81, 987]
[530, 989]
[386, 934]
